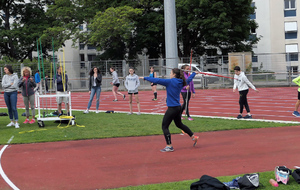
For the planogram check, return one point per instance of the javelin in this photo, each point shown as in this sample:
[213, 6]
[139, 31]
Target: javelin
[204, 73]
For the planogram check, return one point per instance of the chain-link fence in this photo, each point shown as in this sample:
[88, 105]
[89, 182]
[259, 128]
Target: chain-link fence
[261, 69]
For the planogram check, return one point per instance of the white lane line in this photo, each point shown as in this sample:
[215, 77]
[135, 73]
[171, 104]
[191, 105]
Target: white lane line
[1, 170]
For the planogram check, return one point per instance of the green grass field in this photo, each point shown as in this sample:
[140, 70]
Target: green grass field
[103, 125]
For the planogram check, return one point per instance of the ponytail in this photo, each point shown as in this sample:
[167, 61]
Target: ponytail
[179, 74]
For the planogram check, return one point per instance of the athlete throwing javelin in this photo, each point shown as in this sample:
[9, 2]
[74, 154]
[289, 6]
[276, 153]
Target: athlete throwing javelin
[173, 87]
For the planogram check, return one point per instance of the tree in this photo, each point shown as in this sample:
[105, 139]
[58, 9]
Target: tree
[21, 24]
[224, 24]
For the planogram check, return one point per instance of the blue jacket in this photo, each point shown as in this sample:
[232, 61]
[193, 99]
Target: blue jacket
[173, 86]
[37, 78]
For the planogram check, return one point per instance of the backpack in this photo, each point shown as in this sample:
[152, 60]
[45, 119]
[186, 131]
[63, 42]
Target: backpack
[296, 175]
[208, 183]
[249, 182]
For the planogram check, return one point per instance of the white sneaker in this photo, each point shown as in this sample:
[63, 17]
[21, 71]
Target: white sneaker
[10, 124]
[86, 111]
[17, 126]
[97, 111]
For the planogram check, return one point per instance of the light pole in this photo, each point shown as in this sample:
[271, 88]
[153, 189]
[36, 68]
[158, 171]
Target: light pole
[145, 50]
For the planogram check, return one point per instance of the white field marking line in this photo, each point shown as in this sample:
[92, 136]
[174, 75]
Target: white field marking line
[1, 170]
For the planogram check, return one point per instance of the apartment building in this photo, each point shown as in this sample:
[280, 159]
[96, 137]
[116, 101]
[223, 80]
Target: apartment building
[278, 48]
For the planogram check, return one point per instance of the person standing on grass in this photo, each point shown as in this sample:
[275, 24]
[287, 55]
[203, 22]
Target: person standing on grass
[10, 86]
[95, 81]
[132, 83]
[186, 92]
[153, 85]
[37, 79]
[116, 84]
[28, 84]
[173, 113]
[62, 88]
[241, 82]
[296, 113]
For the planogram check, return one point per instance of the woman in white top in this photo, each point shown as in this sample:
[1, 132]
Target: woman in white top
[116, 84]
[241, 82]
[132, 83]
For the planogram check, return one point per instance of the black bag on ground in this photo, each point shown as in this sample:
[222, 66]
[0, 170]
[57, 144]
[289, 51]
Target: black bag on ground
[3, 114]
[296, 175]
[249, 182]
[208, 183]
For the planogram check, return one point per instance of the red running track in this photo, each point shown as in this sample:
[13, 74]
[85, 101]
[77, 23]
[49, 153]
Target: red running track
[119, 162]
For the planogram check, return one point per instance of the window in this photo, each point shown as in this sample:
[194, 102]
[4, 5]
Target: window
[254, 59]
[91, 57]
[91, 47]
[290, 30]
[82, 65]
[82, 74]
[253, 16]
[289, 4]
[81, 46]
[83, 84]
[291, 52]
[81, 57]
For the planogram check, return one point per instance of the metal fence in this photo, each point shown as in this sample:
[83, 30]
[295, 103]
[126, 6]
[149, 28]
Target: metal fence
[262, 69]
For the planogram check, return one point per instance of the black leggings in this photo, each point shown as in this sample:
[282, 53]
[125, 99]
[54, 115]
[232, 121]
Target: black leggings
[184, 95]
[173, 113]
[243, 101]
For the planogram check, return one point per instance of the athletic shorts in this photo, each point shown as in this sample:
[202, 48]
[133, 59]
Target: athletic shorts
[153, 84]
[298, 95]
[59, 100]
[117, 84]
[133, 93]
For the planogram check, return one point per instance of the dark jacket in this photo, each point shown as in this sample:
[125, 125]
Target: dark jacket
[98, 81]
[27, 86]
[59, 82]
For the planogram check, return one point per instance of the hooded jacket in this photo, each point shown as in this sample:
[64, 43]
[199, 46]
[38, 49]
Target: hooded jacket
[241, 82]
[115, 77]
[7, 80]
[132, 83]
[27, 86]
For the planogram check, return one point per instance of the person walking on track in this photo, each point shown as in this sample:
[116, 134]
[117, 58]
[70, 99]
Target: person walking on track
[241, 82]
[116, 84]
[173, 113]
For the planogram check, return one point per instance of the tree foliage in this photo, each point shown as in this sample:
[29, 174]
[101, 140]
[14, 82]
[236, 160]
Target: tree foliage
[121, 29]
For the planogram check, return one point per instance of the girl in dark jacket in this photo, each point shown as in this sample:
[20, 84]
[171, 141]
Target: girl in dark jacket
[27, 84]
[95, 80]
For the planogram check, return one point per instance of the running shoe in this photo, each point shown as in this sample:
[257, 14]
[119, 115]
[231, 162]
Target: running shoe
[10, 124]
[296, 114]
[139, 113]
[86, 111]
[190, 119]
[129, 113]
[154, 99]
[233, 184]
[195, 139]
[97, 111]
[124, 96]
[248, 117]
[115, 100]
[167, 149]
[17, 125]
[32, 121]
[239, 116]
[26, 121]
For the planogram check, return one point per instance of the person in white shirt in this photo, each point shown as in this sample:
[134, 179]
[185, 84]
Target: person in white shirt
[116, 84]
[242, 83]
[132, 83]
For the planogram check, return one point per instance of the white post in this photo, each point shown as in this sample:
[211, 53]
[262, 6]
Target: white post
[170, 35]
